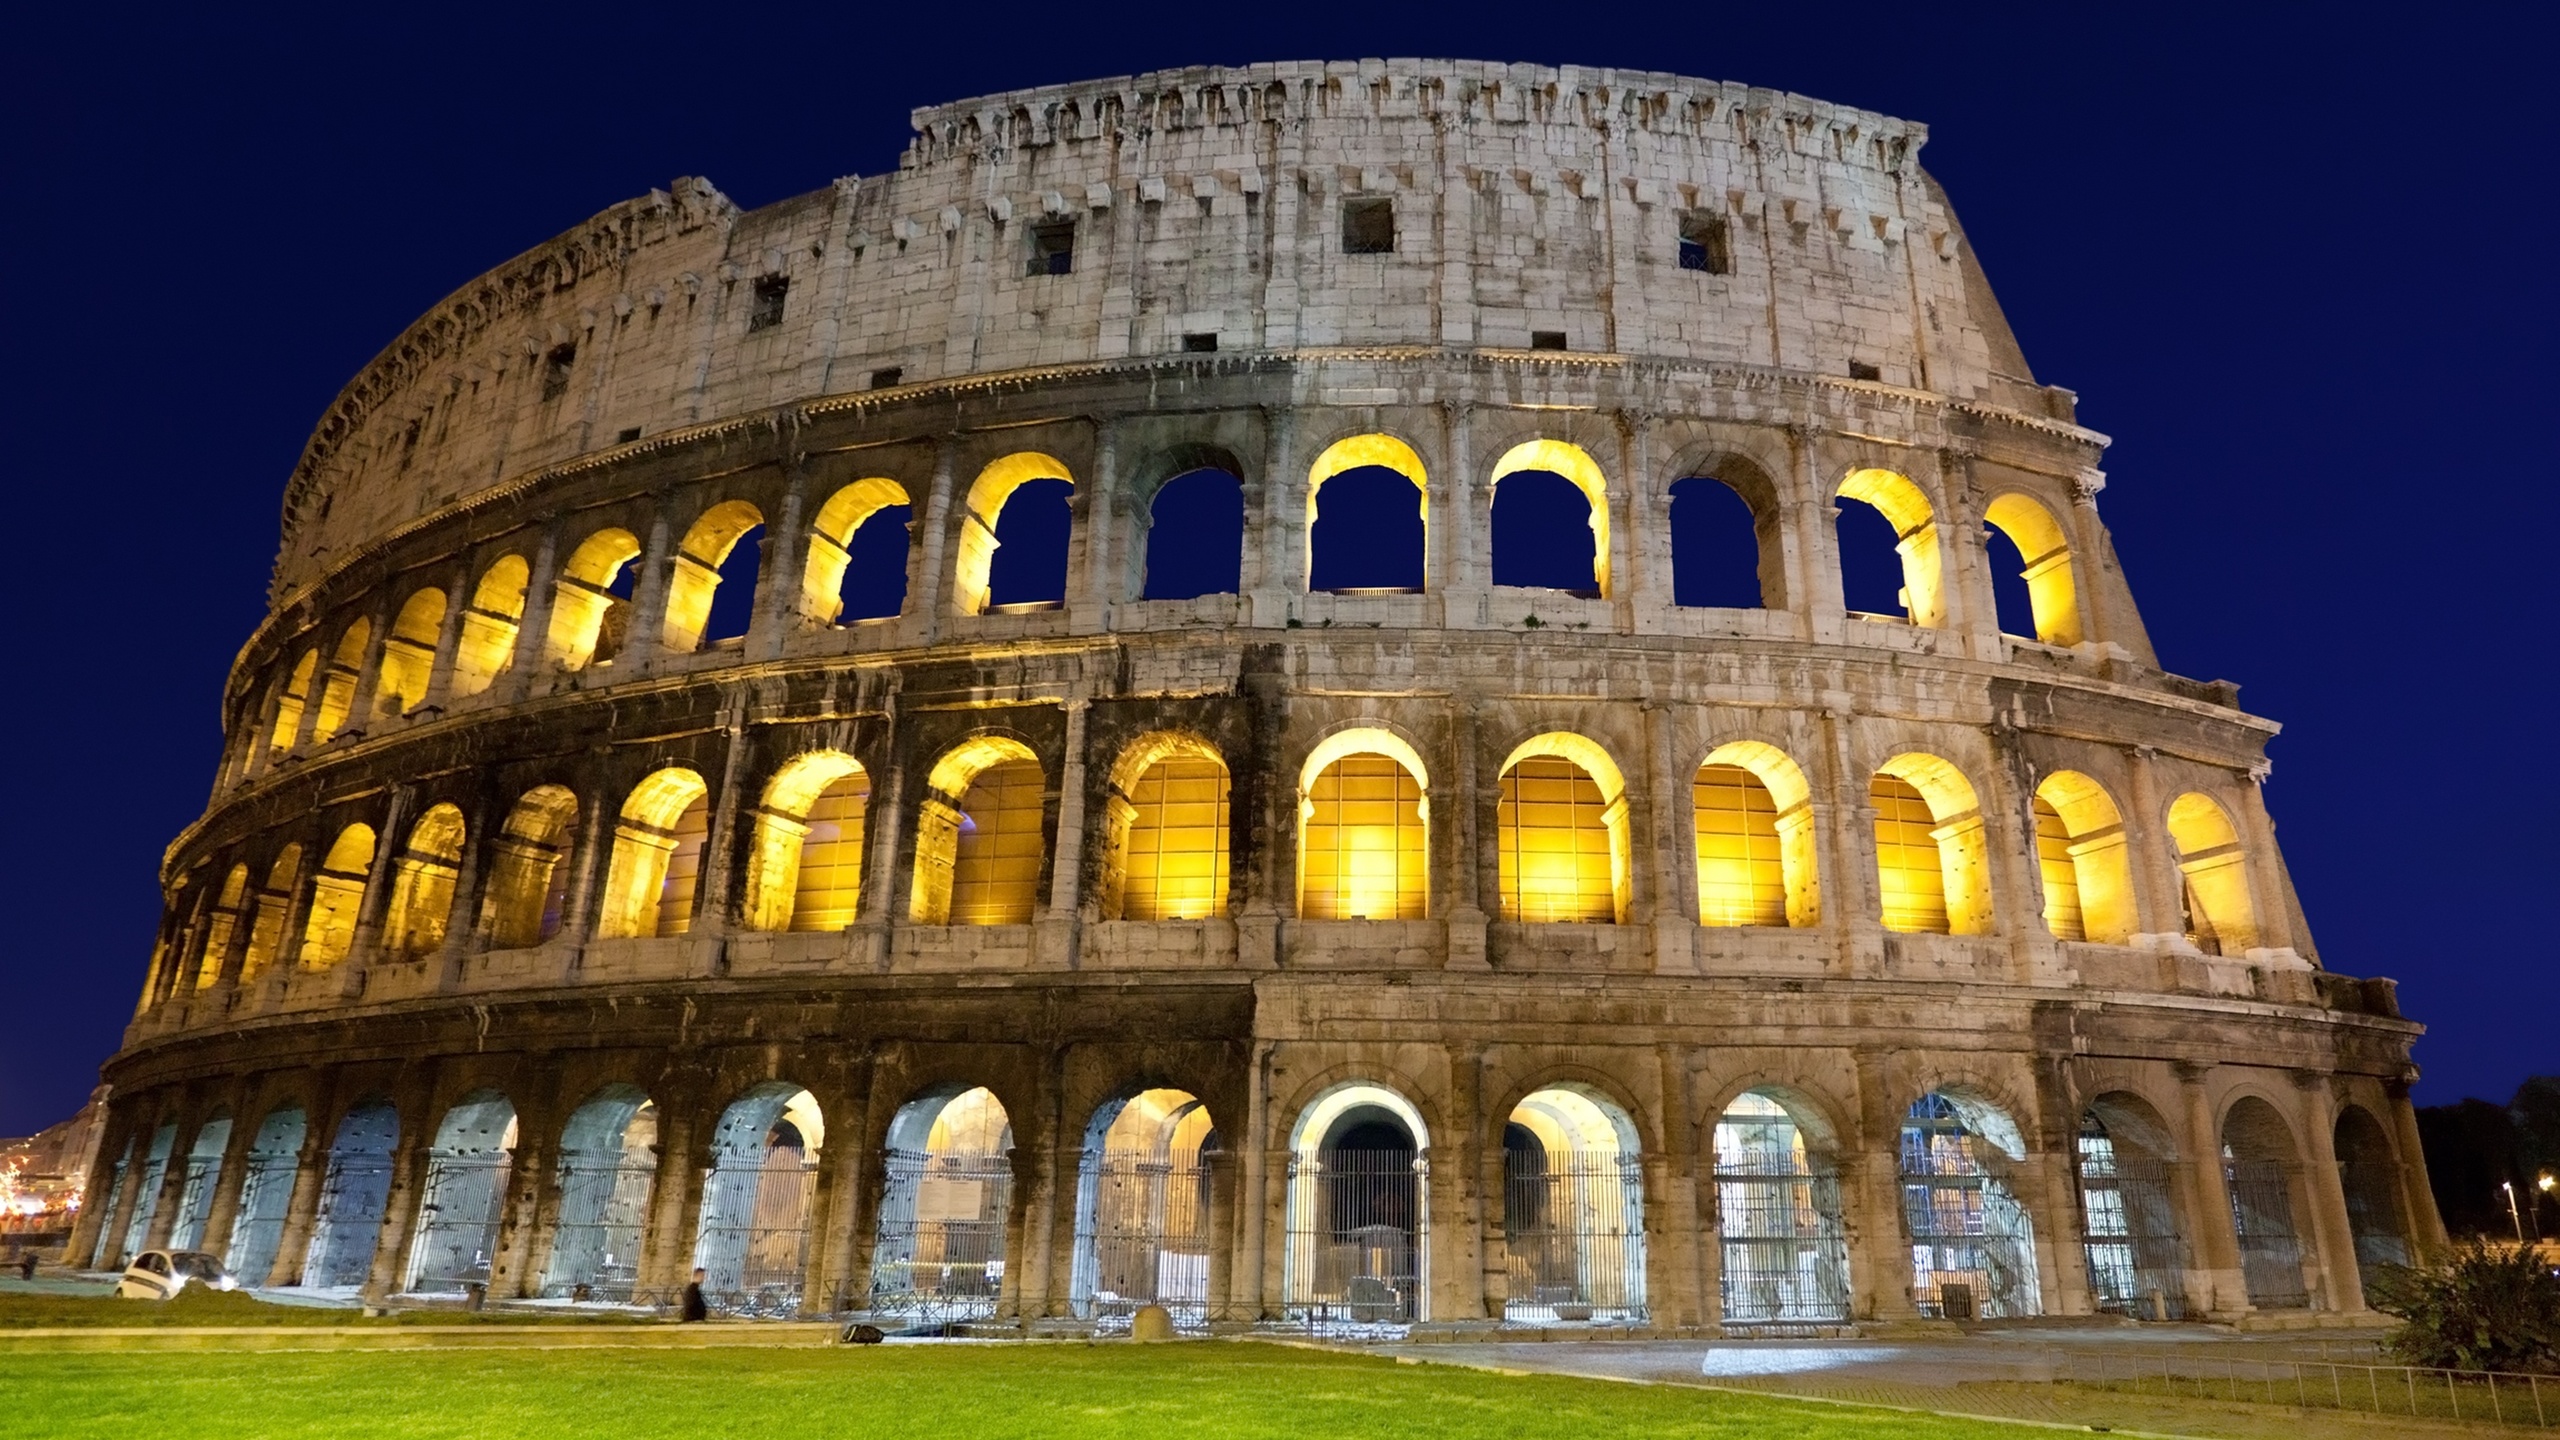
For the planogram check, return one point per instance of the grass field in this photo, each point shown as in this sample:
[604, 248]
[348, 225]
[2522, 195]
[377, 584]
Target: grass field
[948, 1392]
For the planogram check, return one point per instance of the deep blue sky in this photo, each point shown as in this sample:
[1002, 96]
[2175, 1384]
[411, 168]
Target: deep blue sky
[2300, 268]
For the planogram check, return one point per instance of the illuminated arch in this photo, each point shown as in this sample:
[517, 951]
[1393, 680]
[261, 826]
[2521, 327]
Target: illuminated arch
[648, 887]
[1166, 831]
[1915, 527]
[1752, 815]
[490, 625]
[753, 1233]
[463, 1196]
[338, 681]
[2220, 917]
[409, 653]
[228, 907]
[1359, 452]
[804, 870]
[1963, 1218]
[422, 885]
[1932, 862]
[694, 574]
[946, 1202]
[2082, 860]
[992, 784]
[2052, 591]
[1573, 1207]
[291, 695]
[1358, 1220]
[1562, 819]
[2132, 1237]
[2263, 1176]
[528, 869]
[266, 925]
[987, 495]
[337, 898]
[831, 541]
[583, 600]
[1778, 1211]
[608, 1169]
[1575, 464]
[1142, 1208]
[1364, 814]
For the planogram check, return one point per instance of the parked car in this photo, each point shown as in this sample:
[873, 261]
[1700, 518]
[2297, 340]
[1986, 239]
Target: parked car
[159, 1274]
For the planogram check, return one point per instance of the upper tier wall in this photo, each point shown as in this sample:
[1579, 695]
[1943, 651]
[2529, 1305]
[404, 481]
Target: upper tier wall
[1206, 202]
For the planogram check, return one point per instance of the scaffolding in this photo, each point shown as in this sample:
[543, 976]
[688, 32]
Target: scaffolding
[1972, 1245]
[1785, 1254]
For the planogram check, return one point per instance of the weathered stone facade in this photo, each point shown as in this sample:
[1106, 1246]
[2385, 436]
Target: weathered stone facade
[1745, 285]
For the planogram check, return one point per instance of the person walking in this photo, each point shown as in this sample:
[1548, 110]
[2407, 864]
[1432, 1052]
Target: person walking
[695, 1307]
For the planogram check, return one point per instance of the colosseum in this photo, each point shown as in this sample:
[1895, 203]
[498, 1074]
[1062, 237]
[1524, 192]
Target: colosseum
[732, 775]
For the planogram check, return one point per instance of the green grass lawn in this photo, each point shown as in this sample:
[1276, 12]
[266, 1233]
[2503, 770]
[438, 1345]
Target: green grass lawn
[946, 1392]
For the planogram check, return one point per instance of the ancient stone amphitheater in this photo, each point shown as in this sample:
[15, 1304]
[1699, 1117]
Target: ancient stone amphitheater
[604, 880]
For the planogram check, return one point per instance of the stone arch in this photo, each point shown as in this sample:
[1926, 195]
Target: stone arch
[1167, 833]
[490, 625]
[293, 692]
[203, 1167]
[268, 911]
[1571, 461]
[1562, 818]
[1358, 1218]
[230, 905]
[1142, 1208]
[2262, 1173]
[268, 1171]
[608, 1169]
[991, 784]
[1573, 1208]
[1357, 452]
[1915, 526]
[353, 1191]
[2132, 1241]
[2053, 594]
[528, 888]
[657, 852]
[422, 881]
[2369, 1174]
[2081, 860]
[1363, 828]
[1746, 478]
[1196, 477]
[337, 898]
[694, 578]
[831, 542]
[753, 1237]
[1757, 848]
[804, 871]
[338, 681]
[984, 504]
[946, 1205]
[1779, 1225]
[1932, 859]
[2214, 898]
[1972, 1240]
[464, 1196]
[588, 620]
[409, 652]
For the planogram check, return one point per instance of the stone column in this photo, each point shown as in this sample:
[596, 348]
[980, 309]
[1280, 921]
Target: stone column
[1456, 549]
[2341, 1276]
[530, 659]
[784, 555]
[2270, 895]
[524, 1220]
[1640, 576]
[457, 600]
[414, 1097]
[1222, 1233]
[844, 1174]
[1096, 539]
[929, 561]
[2426, 1226]
[647, 637]
[2217, 1244]
[2157, 882]
[1467, 1260]
[1464, 872]
[1848, 883]
[2088, 548]
[173, 1178]
[1282, 519]
[310, 1174]
[387, 845]
[1676, 1240]
[1258, 1219]
[222, 1206]
[675, 1197]
[1814, 582]
[1058, 924]
[1871, 1202]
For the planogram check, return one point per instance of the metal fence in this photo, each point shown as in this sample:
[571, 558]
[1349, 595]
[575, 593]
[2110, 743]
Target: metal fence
[2270, 1247]
[1355, 1238]
[257, 1226]
[754, 1239]
[1573, 1238]
[595, 1248]
[458, 1222]
[2129, 1214]
[940, 1256]
[2418, 1392]
[349, 1220]
[1142, 1238]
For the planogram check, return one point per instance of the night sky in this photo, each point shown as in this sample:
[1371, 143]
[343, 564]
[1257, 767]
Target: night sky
[2300, 270]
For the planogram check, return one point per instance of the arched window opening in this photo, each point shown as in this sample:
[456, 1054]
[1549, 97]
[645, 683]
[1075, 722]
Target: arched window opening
[657, 857]
[2220, 919]
[1902, 585]
[608, 1168]
[1932, 871]
[337, 898]
[353, 1191]
[753, 1242]
[195, 1191]
[1033, 574]
[1715, 547]
[711, 588]
[1561, 821]
[106, 1253]
[1973, 1249]
[1786, 1251]
[858, 555]
[422, 885]
[2031, 575]
[2129, 1211]
[528, 869]
[980, 836]
[1142, 1210]
[2259, 1170]
[2081, 858]
[1368, 506]
[1195, 537]
[1550, 519]
[1358, 1219]
[228, 908]
[2369, 1174]
[290, 700]
[266, 925]
[805, 874]
[946, 1199]
[1363, 831]
[1753, 819]
[338, 681]
[409, 654]
[266, 1196]
[155, 1174]
[591, 603]
[464, 1197]
[1168, 814]
[490, 625]
[1573, 1211]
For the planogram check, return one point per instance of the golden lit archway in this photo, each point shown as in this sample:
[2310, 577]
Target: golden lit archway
[2052, 593]
[337, 898]
[1167, 826]
[2081, 858]
[291, 696]
[583, 600]
[1932, 862]
[831, 541]
[2220, 918]
[1915, 527]
[529, 870]
[266, 925]
[409, 653]
[657, 857]
[490, 625]
[1575, 464]
[1359, 452]
[987, 495]
[805, 870]
[1755, 838]
[1562, 822]
[222, 926]
[695, 577]
[979, 836]
[1363, 829]
[338, 681]
[422, 885]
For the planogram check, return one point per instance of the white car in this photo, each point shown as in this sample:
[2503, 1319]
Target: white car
[159, 1274]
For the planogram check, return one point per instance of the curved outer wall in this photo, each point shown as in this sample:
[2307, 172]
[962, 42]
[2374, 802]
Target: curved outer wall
[675, 354]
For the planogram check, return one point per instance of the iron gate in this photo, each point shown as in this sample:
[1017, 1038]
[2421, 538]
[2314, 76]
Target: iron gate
[1573, 1236]
[1786, 1260]
[941, 1248]
[458, 1214]
[2270, 1249]
[1355, 1235]
[2129, 1213]
[349, 1221]
[193, 1194]
[595, 1245]
[755, 1235]
[1971, 1245]
[257, 1227]
[1143, 1238]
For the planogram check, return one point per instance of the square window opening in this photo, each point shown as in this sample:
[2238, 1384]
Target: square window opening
[885, 378]
[1369, 226]
[1704, 243]
[1053, 249]
[766, 312]
[627, 435]
[1200, 344]
[1861, 370]
[1546, 340]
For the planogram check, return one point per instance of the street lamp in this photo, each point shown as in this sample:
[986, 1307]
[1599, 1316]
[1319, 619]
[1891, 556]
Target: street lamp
[2513, 1214]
